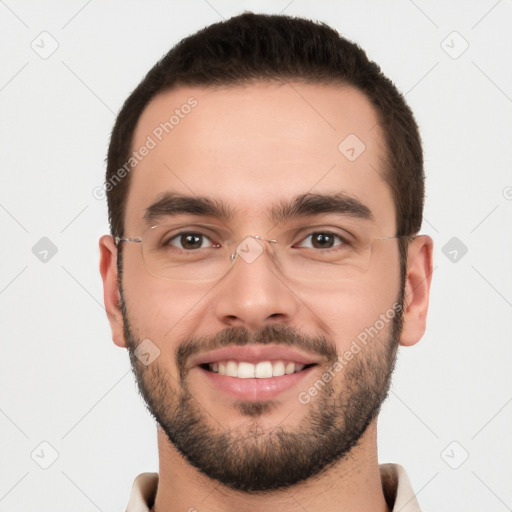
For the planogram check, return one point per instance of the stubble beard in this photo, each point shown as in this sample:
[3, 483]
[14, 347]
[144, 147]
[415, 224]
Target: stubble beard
[249, 458]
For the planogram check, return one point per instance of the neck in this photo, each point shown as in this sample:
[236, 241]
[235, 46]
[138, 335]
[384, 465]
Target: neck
[354, 484]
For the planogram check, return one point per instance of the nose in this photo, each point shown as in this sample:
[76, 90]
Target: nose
[254, 294]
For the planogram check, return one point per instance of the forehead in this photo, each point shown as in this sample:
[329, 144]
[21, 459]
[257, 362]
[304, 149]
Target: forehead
[254, 146]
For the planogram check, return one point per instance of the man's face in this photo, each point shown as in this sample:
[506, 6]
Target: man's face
[255, 149]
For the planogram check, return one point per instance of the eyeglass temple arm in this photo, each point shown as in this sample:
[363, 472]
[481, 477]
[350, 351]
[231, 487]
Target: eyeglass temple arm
[118, 240]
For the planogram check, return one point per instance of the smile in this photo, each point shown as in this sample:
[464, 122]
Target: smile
[261, 370]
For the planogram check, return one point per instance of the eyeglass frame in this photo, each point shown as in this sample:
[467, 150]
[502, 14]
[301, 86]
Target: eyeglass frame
[233, 255]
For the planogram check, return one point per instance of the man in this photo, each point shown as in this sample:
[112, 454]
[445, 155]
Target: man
[265, 190]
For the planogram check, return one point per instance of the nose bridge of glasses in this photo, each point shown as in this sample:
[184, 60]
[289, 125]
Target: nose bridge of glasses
[250, 248]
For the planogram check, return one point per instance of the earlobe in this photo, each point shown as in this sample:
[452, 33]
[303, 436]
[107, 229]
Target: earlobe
[417, 289]
[111, 296]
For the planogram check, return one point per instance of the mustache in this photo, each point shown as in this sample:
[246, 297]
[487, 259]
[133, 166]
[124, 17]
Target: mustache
[240, 336]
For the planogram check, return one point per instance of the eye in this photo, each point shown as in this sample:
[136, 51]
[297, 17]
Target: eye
[322, 240]
[191, 241]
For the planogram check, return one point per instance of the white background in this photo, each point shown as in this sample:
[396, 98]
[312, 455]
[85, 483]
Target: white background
[63, 381]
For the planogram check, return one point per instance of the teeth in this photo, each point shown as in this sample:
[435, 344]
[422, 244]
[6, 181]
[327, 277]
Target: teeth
[278, 369]
[262, 370]
[245, 370]
[231, 369]
[289, 368]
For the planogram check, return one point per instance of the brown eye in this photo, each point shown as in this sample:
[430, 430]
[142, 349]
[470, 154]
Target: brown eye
[190, 241]
[322, 240]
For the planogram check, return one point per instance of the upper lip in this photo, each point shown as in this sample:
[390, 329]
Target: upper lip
[254, 354]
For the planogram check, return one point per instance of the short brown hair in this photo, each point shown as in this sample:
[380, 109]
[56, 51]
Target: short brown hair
[254, 47]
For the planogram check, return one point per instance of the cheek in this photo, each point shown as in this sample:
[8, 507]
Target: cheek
[161, 310]
[349, 308]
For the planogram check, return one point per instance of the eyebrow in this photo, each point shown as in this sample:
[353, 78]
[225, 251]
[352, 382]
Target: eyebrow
[315, 204]
[173, 204]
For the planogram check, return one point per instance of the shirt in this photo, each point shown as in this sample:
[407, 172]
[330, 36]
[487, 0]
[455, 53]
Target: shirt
[396, 486]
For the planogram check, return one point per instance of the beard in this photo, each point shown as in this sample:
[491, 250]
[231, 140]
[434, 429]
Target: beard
[249, 458]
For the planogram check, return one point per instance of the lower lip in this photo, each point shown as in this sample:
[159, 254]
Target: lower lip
[255, 389]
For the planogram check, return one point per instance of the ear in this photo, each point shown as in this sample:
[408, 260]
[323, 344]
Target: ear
[417, 289]
[111, 295]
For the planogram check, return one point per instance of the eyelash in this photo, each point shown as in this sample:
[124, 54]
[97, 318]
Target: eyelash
[342, 240]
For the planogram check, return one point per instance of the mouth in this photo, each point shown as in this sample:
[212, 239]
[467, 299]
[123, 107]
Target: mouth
[252, 382]
[255, 372]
